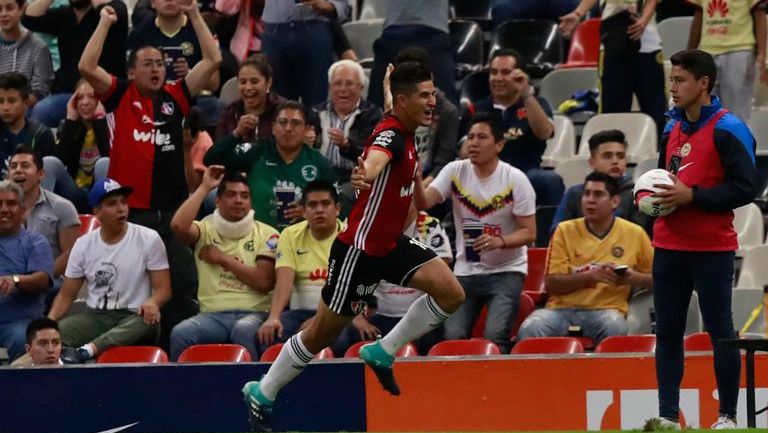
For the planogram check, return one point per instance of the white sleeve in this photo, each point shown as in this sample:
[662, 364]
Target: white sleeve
[525, 197]
[442, 183]
[76, 261]
[157, 259]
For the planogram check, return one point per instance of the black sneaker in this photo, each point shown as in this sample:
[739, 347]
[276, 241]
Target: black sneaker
[71, 355]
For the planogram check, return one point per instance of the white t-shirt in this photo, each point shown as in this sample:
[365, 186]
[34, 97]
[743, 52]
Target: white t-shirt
[117, 276]
[486, 206]
[650, 41]
[394, 300]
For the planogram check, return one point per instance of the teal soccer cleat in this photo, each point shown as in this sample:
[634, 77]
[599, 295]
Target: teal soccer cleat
[381, 364]
[259, 408]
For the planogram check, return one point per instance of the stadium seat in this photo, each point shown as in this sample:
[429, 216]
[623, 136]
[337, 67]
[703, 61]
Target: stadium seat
[748, 223]
[527, 306]
[539, 41]
[534, 281]
[474, 88]
[639, 320]
[271, 353]
[559, 85]
[476, 10]
[747, 318]
[407, 351]
[229, 92]
[362, 34]
[639, 129]
[372, 9]
[215, 353]
[647, 164]
[754, 269]
[464, 347]
[698, 342]
[88, 222]
[574, 171]
[627, 343]
[674, 34]
[467, 42]
[548, 345]
[562, 146]
[127, 354]
[585, 45]
[758, 123]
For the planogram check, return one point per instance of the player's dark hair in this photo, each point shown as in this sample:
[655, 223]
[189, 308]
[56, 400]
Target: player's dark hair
[611, 184]
[412, 54]
[26, 150]
[293, 105]
[15, 81]
[508, 52]
[607, 136]
[38, 325]
[133, 56]
[259, 62]
[231, 177]
[319, 186]
[697, 62]
[490, 120]
[406, 77]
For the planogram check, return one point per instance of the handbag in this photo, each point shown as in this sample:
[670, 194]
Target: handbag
[613, 35]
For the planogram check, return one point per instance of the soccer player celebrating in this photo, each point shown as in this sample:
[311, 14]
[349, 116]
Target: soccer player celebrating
[373, 248]
[711, 155]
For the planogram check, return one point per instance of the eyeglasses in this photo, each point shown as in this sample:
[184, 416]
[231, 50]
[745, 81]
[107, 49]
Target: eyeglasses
[294, 122]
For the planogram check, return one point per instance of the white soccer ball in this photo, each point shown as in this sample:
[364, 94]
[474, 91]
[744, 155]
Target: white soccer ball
[644, 187]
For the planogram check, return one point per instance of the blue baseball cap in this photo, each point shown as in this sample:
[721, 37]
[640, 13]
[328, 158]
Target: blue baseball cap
[105, 188]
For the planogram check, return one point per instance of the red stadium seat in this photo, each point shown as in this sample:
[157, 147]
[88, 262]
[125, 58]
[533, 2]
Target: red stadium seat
[406, 351]
[526, 307]
[698, 342]
[271, 353]
[215, 353]
[548, 345]
[126, 354]
[627, 343]
[534, 282]
[88, 222]
[585, 45]
[464, 347]
[586, 342]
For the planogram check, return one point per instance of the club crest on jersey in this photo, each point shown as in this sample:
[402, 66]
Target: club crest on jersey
[187, 49]
[272, 242]
[166, 108]
[384, 138]
[617, 251]
[309, 172]
[358, 307]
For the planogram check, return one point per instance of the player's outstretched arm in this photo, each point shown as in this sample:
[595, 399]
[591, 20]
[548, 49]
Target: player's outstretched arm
[368, 169]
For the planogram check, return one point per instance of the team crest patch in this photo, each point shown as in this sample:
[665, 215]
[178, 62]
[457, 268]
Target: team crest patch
[309, 172]
[617, 251]
[358, 307]
[166, 108]
[686, 149]
[436, 242]
[272, 242]
[248, 246]
[187, 49]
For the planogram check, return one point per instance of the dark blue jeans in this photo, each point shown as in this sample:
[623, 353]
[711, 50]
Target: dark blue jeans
[300, 54]
[675, 274]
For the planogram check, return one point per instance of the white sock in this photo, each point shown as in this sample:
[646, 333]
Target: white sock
[291, 361]
[423, 316]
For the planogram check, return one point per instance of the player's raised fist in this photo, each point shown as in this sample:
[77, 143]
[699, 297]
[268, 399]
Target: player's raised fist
[109, 14]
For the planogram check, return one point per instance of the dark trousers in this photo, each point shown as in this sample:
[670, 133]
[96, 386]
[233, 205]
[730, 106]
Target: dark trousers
[183, 271]
[437, 44]
[641, 74]
[675, 274]
[300, 53]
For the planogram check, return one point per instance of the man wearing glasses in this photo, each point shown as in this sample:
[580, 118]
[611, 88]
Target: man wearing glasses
[277, 169]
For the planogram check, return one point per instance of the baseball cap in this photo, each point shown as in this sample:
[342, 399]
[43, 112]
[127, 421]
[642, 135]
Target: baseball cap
[104, 188]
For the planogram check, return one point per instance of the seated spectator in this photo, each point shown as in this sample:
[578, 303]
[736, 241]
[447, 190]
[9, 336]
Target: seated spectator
[235, 257]
[344, 122]
[43, 344]
[392, 300]
[257, 102]
[125, 270]
[607, 154]
[23, 52]
[15, 128]
[82, 153]
[277, 169]
[25, 272]
[52, 216]
[302, 264]
[526, 120]
[494, 209]
[72, 25]
[593, 262]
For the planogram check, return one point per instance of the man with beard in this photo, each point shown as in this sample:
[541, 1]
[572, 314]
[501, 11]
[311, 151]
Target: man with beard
[235, 257]
[73, 25]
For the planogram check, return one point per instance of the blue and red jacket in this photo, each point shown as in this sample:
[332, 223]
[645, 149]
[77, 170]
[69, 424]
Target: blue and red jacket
[715, 156]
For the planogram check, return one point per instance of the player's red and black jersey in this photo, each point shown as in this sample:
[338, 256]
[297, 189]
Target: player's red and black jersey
[147, 145]
[378, 217]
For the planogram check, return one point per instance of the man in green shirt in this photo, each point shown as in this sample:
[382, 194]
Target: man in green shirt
[277, 169]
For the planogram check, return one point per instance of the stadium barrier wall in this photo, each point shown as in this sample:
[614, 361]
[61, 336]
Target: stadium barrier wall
[468, 394]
